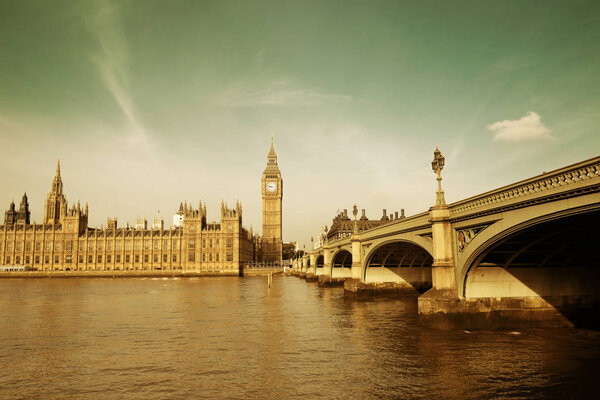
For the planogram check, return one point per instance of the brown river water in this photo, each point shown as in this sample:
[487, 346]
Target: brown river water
[233, 338]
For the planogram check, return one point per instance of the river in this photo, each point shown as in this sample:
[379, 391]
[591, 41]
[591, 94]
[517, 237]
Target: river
[233, 338]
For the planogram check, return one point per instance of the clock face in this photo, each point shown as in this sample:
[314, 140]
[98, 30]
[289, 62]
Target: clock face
[271, 186]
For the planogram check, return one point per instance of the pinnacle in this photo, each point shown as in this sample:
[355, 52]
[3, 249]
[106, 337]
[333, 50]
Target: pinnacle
[272, 150]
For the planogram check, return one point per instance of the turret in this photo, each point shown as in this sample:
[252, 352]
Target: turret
[10, 216]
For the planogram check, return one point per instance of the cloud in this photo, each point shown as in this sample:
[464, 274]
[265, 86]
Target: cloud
[112, 63]
[278, 93]
[527, 128]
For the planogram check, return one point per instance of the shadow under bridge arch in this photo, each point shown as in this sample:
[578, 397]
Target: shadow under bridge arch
[555, 260]
[399, 262]
[341, 264]
[319, 261]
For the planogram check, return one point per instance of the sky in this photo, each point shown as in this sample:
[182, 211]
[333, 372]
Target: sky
[151, 103]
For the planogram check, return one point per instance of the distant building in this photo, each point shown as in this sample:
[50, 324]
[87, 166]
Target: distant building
[158, 223]
[64, 241]
[178, 217]
[343, 226]
[141, 223]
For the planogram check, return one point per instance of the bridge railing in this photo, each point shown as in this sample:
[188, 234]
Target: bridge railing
[268, 264]
[588, 170]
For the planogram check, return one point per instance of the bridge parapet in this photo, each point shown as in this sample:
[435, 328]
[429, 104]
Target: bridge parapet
[573, 178]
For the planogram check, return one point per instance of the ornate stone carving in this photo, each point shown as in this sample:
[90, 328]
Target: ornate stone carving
[464, 236]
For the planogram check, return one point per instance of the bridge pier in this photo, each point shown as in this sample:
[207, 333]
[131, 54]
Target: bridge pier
[311, 271]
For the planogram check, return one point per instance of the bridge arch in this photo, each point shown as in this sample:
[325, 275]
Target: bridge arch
[320, 261]
[550, 255]
[398, 261]
[341, 259]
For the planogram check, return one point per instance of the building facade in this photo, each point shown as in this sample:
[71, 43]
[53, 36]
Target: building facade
[271, 244]
[65, 242]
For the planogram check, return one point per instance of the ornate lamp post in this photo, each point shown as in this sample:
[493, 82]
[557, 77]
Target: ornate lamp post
[437, 165]
[355, 212]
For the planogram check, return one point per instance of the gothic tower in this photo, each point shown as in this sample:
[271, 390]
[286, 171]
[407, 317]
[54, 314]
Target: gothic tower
[56, 204]
[272, 193]
[24, 214]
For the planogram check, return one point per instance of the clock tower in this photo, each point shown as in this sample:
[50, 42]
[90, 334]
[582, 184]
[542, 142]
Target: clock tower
[272, 193]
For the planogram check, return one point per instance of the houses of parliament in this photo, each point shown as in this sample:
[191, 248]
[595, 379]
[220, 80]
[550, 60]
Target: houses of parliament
[65, 242]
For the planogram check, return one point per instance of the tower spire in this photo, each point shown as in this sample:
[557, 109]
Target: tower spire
[272, 150]
[57, 182]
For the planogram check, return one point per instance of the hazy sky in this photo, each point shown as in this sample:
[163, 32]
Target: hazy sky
[150, 103]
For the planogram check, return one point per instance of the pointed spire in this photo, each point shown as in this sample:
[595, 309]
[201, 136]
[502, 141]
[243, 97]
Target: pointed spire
[57, 181]
[272, 150]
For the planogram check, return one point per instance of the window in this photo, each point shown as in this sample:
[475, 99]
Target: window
[146, 244]
[217, 243]
[28, 246]
[127, 258]
[8, 259]
[109, 245]
[145, 258]
[56, 259]
[128, 246]
[17, 260]
[156, 242]
[99, 258]
[100, 245]
[19, 246]
[81, 246]
[80, 259]
[57, 246]
[217, 257]
[191, 244]
[90, 259]
[108, 258]
[211, 244]
[229, 243]
[137, 258]
[165, 258]
[48, 246]
[9, 247]
[37, 259]
[191, 257]
[204, 244]
[156, 258]
[210, 257]
[118, 258]
[38, 246]
[174, 245]
[174, 257]
[203, 256]
[69, 245]
[68, 259]
[165, 244]
[91, 245]
[229, 256]
[118, 245]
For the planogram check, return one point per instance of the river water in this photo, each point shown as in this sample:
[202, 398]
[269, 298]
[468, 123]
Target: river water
[234, 338]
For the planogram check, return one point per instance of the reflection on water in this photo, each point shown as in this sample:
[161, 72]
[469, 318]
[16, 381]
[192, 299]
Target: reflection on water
[233, 338]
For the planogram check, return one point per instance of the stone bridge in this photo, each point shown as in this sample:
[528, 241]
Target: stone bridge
[523, 254]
